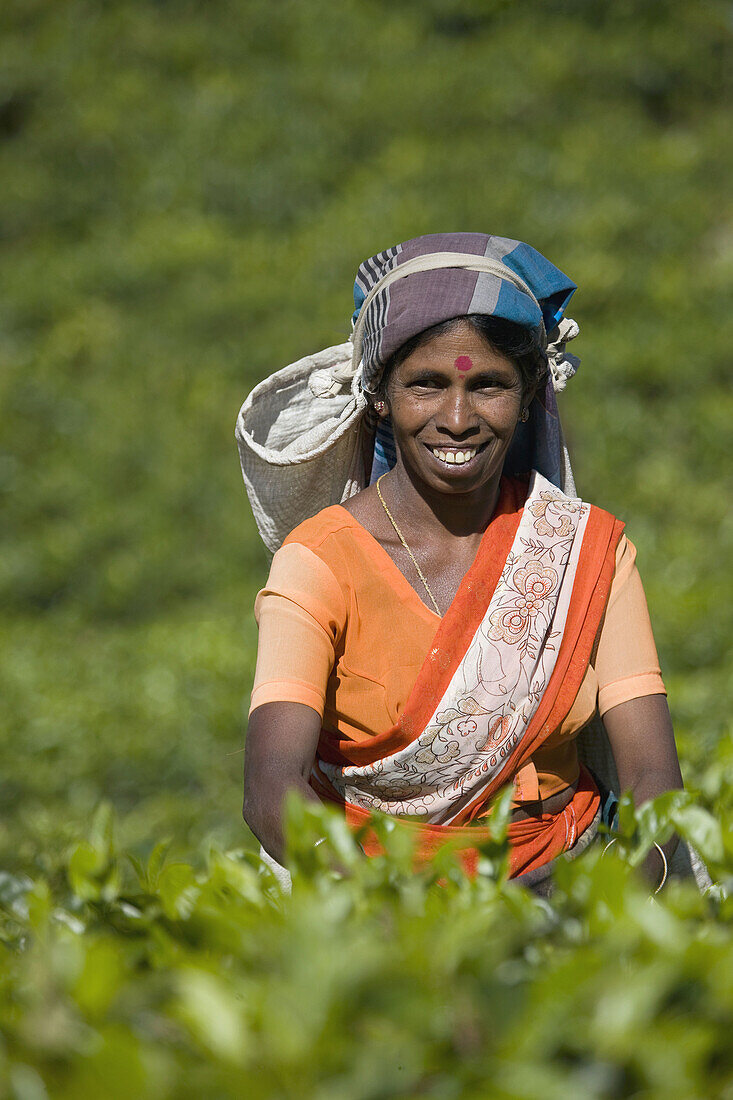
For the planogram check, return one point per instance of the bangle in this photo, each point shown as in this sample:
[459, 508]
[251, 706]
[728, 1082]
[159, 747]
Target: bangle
[665, 865]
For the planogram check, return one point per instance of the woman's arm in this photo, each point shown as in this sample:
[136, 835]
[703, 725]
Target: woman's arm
[300, 613]
[640, 732]
[278, 756]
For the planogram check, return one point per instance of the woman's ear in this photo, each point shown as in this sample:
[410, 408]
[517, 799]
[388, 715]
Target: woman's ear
[380, 408]
[528, 396]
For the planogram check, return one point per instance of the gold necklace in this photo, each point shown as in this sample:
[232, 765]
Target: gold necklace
[403, 540]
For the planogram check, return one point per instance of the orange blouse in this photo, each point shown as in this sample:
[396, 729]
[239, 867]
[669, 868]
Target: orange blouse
[343, 631]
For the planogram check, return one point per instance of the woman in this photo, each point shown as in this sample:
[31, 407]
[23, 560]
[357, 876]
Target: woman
[451, 628]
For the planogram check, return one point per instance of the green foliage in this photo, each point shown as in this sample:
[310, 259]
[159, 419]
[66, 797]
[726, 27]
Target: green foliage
[372, 979]
[187, 190]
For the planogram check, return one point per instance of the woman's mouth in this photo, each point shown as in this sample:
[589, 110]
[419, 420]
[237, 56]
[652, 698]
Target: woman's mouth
[455, 456]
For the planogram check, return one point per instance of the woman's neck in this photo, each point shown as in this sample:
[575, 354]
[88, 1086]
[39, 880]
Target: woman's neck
[421, 509]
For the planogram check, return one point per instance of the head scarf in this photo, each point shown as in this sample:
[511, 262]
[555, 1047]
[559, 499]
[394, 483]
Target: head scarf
[422, 299]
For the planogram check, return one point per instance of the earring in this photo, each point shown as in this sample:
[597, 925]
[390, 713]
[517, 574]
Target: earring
[524, 416]
[379, 406]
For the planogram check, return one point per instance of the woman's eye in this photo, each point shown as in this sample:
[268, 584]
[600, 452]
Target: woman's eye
[489, 383]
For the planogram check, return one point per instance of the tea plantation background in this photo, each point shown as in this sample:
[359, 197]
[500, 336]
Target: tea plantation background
[187, 190]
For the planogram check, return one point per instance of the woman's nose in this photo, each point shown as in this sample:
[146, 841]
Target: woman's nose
[458, 416]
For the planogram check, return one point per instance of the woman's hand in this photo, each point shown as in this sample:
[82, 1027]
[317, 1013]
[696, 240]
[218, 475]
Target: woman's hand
[278, 756]
[640, 732]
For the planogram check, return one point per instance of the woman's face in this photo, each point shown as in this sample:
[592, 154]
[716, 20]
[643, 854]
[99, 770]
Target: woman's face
[454, 404]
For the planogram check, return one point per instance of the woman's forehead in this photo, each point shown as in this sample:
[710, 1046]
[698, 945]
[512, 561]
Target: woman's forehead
[459, 350]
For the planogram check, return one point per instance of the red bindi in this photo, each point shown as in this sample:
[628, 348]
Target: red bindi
[463, 362]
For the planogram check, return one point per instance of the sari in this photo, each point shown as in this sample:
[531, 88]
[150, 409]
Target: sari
[504, 669]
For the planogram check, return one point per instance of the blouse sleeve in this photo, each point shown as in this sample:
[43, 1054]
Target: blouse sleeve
[301, 614]
[626, 663]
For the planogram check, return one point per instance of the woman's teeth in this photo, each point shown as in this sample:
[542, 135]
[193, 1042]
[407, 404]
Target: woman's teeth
[455, 458]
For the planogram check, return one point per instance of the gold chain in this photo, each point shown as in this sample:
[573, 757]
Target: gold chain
[403, 540]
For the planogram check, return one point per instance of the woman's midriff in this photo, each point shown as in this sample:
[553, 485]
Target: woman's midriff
[555, 804]
[535, 837]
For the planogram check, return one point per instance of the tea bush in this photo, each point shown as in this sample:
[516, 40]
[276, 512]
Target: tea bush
[162, 978]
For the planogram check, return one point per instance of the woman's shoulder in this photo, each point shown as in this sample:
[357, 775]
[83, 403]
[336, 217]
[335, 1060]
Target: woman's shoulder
[324, 525]
[332, 532]
[625, 570]
[311, 566]
[341, 540]
[322, 560]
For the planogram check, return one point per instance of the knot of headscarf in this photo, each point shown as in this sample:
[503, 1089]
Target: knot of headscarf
[562, 365]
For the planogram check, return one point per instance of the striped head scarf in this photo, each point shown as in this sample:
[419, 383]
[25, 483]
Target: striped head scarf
[404, 307]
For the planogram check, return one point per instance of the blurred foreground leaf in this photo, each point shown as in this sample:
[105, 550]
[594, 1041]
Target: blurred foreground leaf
[375, 977]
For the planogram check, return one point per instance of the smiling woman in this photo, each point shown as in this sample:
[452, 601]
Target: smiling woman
[448, 630]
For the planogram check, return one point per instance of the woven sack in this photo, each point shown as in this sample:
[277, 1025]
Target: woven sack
[303, 441]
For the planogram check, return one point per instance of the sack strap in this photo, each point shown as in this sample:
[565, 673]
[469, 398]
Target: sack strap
[432, 261]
